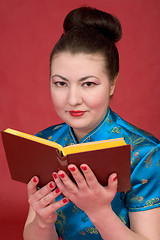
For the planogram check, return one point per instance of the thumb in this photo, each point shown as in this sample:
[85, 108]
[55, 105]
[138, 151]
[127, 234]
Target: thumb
[32, 185]
[113, 183]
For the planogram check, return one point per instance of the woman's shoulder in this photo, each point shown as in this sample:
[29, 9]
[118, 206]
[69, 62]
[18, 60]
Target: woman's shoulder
[133, 133]
[143, 144]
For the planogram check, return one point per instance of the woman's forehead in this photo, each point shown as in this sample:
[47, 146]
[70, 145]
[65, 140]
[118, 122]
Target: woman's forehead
[80, 55]
[78, 60]
[78, 65]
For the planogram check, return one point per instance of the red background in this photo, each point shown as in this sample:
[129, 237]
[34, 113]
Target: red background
[28, 31]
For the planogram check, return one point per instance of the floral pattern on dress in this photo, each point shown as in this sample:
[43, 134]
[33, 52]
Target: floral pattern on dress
[148, 161]
[144, 181]
[137, 198]
[61, 221]
[116, 130]
[152, 202]
[92, 230]
[135, 158]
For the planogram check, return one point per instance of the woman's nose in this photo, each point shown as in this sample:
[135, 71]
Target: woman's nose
[74, 97]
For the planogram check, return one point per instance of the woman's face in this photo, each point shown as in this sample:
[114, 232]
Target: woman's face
[80, 90]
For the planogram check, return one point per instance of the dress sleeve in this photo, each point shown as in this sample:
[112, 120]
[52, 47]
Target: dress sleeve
[145, 180]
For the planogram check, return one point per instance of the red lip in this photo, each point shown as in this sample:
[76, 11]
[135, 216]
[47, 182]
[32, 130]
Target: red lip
[76, 113]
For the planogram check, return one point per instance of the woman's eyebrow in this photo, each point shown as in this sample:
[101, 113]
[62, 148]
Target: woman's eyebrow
[81, 79]
[59, 76]
[86, 77]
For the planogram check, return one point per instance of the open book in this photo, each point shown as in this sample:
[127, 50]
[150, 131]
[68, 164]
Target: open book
[29, 156]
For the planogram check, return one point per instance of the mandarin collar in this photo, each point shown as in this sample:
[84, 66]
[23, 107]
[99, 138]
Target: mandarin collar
[97, 133]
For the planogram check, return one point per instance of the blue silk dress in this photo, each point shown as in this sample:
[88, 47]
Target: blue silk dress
[73, 223]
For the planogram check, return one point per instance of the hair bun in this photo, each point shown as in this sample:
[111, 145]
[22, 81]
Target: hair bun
[89, 17]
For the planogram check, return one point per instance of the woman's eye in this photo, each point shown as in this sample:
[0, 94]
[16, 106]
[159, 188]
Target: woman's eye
[89, 84]
[60, 84]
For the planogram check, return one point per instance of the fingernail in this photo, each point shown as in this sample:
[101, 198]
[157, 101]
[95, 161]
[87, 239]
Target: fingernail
[51, 185]
[65, 200]
[84, 168]
[114, 179]
[34, 180]
[57, 190]
[62, 175]
[72, 169]
[54, 175]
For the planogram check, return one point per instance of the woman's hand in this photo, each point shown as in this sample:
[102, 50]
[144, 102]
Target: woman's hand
[88, 194]
[43, 202]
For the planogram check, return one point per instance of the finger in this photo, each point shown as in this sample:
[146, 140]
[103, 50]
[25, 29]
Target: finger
[39, 194]
[32, 185]
[77, 175]
[112, 182]
[64, 183]
[56, 205]
[49, 198]
[89, 175]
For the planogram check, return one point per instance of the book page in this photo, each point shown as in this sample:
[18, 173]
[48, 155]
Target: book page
[34, 138]
[90, 146]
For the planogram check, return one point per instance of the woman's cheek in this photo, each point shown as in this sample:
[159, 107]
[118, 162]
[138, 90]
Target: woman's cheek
[58, 99]
[98, 102]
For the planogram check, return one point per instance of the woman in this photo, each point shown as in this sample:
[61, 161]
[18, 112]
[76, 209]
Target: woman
[84, 67]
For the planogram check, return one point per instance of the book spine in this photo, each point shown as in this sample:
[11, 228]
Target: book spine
[62, 163]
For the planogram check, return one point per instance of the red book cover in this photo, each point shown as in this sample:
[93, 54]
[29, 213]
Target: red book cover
[27, 158]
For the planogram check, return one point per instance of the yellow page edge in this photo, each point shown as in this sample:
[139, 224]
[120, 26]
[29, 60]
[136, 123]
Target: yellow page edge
[34, 138]
[91, 146]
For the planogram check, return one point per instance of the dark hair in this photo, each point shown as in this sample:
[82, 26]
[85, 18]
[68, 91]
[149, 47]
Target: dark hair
[89, 30]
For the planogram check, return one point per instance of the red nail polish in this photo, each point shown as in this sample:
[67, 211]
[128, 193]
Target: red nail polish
[84, 168]
[72, 169]
[57, 190]
[62, 175]
[65, 200]
[34, 180]
[51, 185]
[54, 175]
[114, 179]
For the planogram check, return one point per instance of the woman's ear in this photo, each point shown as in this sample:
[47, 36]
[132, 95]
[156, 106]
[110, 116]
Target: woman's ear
[113, 85]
